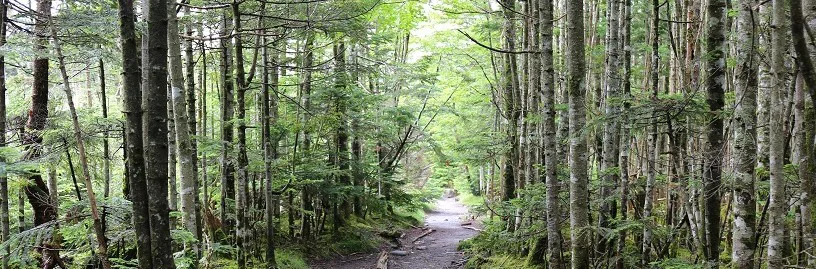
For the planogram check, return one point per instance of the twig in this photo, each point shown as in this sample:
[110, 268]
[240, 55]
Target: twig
[472, 228]
[426, 233]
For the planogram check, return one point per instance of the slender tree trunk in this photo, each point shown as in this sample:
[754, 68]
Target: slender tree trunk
[800, 44]
[270, 119]
[172, 160]
[227, 112]
[778, 207]
[155, 133]
[341, 106]
[241, 201]
[712, 169]
[306, 91]
[191, 123]
[102, 244]
[803, 157]
[652, 140]
[806, 84]
[133, 132]
[554, 237]
[625, 137]
[744, 138]
[184, 145]
[579, 181]
[609, 165]
[4, 192]
[512, 110]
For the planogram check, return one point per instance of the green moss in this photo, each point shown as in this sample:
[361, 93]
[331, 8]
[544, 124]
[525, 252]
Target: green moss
[290, 259]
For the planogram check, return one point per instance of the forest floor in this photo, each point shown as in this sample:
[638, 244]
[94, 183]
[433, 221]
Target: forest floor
[429, 247]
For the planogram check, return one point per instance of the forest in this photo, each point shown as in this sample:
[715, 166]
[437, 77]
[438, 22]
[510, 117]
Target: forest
[407, 134]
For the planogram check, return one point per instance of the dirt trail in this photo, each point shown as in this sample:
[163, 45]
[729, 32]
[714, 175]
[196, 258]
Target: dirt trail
[436, 250]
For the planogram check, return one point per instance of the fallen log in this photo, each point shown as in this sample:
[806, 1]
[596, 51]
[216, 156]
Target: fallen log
[426, 233]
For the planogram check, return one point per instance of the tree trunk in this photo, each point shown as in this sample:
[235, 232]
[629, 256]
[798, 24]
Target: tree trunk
[102, 244]
[227, 112]
[36, 190]
[305, 95]
[778, 207]
[512, 110]
[155, 132]
[579, 181]
[133, 132]
[744, 138]
[554, 237]
[241, 201]
[609, 165]
[4, 192]
[341, 107]
[184, 147]
[191, 123]
[271, 139]
[652, 139]
[712, 169]
[625, 137]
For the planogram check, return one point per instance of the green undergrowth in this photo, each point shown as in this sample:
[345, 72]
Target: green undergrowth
[358, 235]
[499, 262]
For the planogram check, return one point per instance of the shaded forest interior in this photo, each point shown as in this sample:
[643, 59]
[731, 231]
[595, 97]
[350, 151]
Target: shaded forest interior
[278, 134]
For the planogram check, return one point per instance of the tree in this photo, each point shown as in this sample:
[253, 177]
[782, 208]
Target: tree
[155, 133]
[184, 141]
[4, 193]
[579, 217]
[227, 112]
[549, 137]
[744, 138]
[609, 165]
[102, 247]
[511, 110]
[36, 191]
[777, 209]
[132, 95]
[715, 68]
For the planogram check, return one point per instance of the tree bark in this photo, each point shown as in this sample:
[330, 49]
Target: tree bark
[579, 181]
[777, 210]
[4, 197]
[132, 95]
[191, 123]
[184, 147]
[609, 164]
[341, 106]
[305, 95]
[550, 158]
[102, 244]
[652, 139]
[625, 136]
[271, 139]
[511, 107]
[744, 138]
[715, 41]
[242, 167]
[155, 133]
[227, 112]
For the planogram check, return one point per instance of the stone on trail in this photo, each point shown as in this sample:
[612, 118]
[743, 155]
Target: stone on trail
[421, 247]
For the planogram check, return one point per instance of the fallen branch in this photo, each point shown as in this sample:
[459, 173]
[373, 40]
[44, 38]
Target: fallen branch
[426, 233]
[472, 228]
[382, 262]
